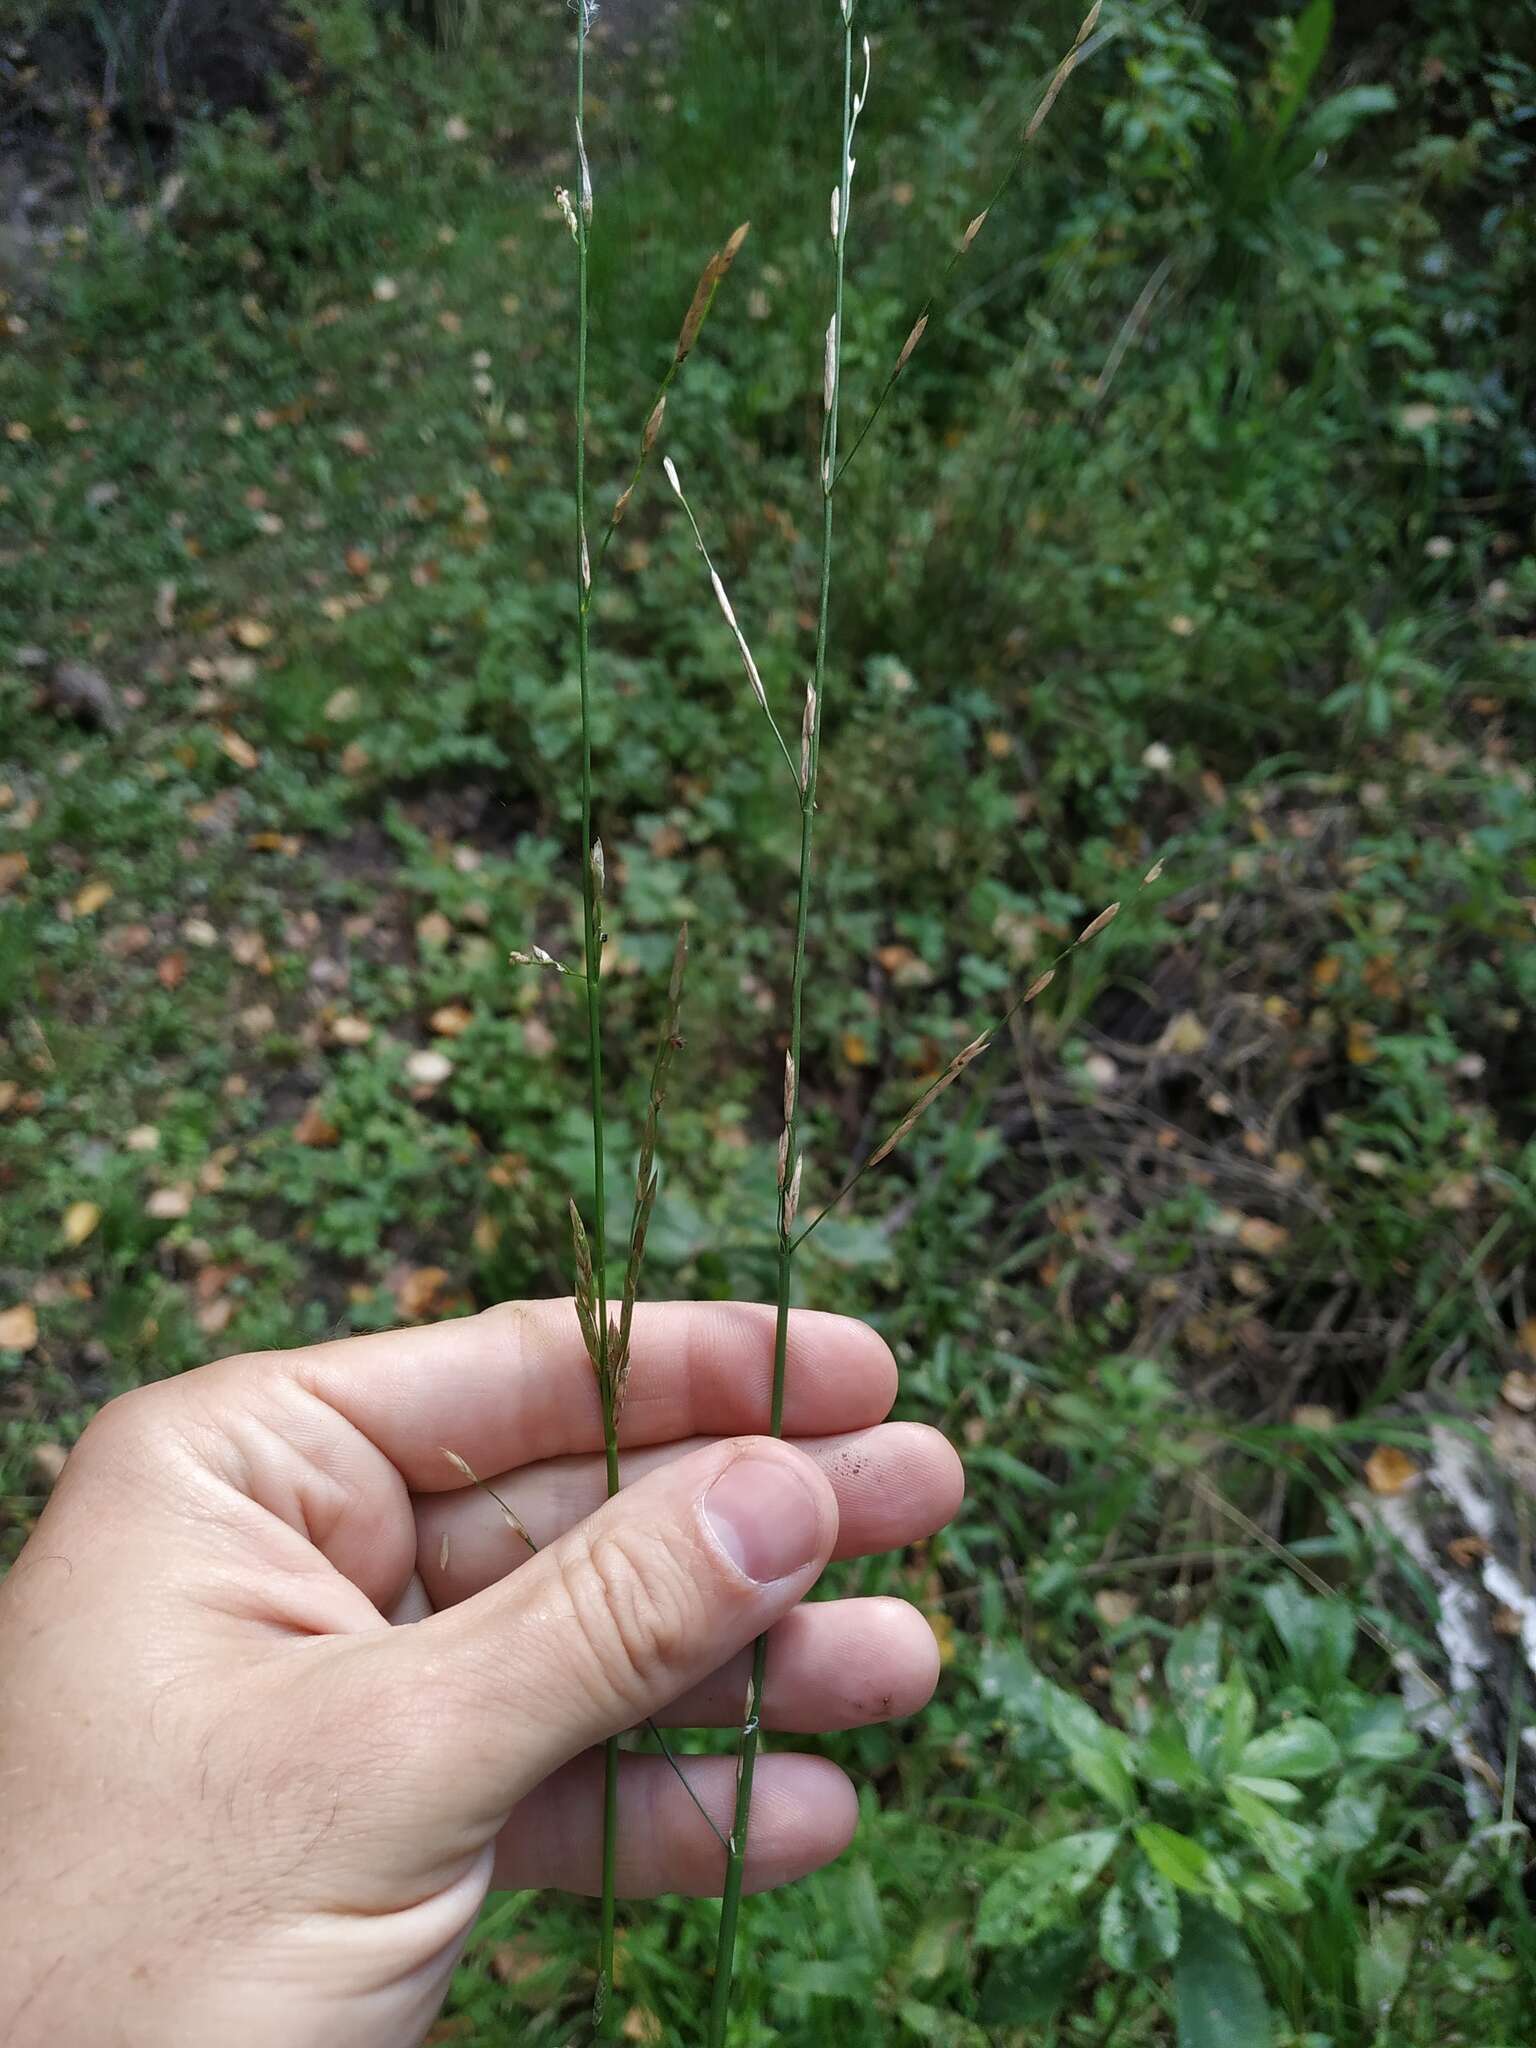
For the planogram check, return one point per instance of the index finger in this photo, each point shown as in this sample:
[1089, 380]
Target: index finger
[514, 1384]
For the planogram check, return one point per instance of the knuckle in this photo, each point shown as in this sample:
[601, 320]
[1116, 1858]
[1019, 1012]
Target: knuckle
[634, 1613]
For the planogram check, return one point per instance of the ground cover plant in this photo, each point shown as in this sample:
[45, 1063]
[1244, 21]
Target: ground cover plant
[1198, 525]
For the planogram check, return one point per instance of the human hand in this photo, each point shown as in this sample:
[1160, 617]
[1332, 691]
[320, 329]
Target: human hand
[239, 1806]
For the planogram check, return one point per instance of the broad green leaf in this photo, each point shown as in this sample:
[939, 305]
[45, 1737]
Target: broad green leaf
[1287, 1848]
[1352, 1817]
[1298, 1749]
[1179, 1858]
[1318, 1634]
[1027, 1986]
[1192, 1668]
[1381, 1966]
[1165, 1758]
[1239, 1711]
[1139, 1926]
[1037, 1888]
[1220, 1999]
[1278, 1791]
[1310, 35]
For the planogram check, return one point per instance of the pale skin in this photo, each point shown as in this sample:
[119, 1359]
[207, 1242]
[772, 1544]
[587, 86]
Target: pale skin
[282, 1695]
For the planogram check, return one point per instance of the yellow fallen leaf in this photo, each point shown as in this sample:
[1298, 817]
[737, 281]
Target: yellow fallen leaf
[167, 1204]
[237, 748]
[1184, 1035]
[80, 1219]
[1113, 1608]
[1389, 1471]
[418, 1291]
[855, 1049]
[1258, 1234]
[12, 867]
[253, 633]
[92, 897]
[18, 1327]
[351, 1030]
[452, 1020]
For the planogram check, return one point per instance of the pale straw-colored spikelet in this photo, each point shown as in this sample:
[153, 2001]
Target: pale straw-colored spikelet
[567, 211]
[599, 867]
[829, 366]
[586, 176]
[792, 1195]
[807, 735]
[783, 1155]
[1064, 71]
[1153, 874]
[926, 1100]
[537, 957]
[789, 1086]
[1092, 930]
[837, 209]
[974, 229]
[653, 425]
[669, 468]
[907, 347]
[586, 562]
[1039, 985]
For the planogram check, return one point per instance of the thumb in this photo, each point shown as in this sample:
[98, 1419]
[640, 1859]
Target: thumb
[606, 1626]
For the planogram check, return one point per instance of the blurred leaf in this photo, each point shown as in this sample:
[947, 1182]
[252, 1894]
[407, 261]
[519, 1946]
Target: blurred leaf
[1300, 1749]
[1220, 1999]
[1038, 1887]
[1139, 1926]
[1027, 1985]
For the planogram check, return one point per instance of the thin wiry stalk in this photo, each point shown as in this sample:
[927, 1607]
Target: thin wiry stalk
[1084, 46]
[580, 217]
[789, 1156]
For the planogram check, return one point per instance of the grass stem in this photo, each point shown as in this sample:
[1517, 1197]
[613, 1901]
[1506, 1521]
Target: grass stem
[604, 2011]
[789, 1164]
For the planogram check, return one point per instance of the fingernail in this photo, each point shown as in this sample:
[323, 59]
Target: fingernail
[764, 1517]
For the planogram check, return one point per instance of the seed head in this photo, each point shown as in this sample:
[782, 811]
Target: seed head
[653, 425]
[567, 211]
[974, 229]
[829, 365]
[910, 344]
[599, 866]
[792, 1196]
[586, 176]
[789, 1086]
[1104, 917]
[837, 209]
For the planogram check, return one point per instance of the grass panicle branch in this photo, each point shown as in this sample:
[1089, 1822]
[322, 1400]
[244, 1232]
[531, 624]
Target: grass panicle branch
[1089, 38]
[712, 277]
[967, 1054]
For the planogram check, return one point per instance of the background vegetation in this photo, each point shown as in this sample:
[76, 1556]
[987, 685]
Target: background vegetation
[1201, 527]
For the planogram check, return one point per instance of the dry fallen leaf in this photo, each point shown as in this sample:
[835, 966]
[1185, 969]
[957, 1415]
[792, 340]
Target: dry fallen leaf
[92, 897]
[252, 633]
[1389, 1471]
[1467, 1550]
[1184, 1035]
[236, 748]
[486, 1234]
[18, 1327]
[419, 1290]
[314, 1128]
[80, 1219]
[48, 1461]
[1311, 1415]
[171, 972]
[434, 929]
[12, 867]
[1519, 1390]
[351, 1030]
[452, 1020]
[429, 1067]
[1113, 1608]
[142, 1138]
[167, 1204]
[1257, 1234]
[855, 1049]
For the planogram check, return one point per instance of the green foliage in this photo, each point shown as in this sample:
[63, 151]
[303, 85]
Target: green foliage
[1198, 527]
